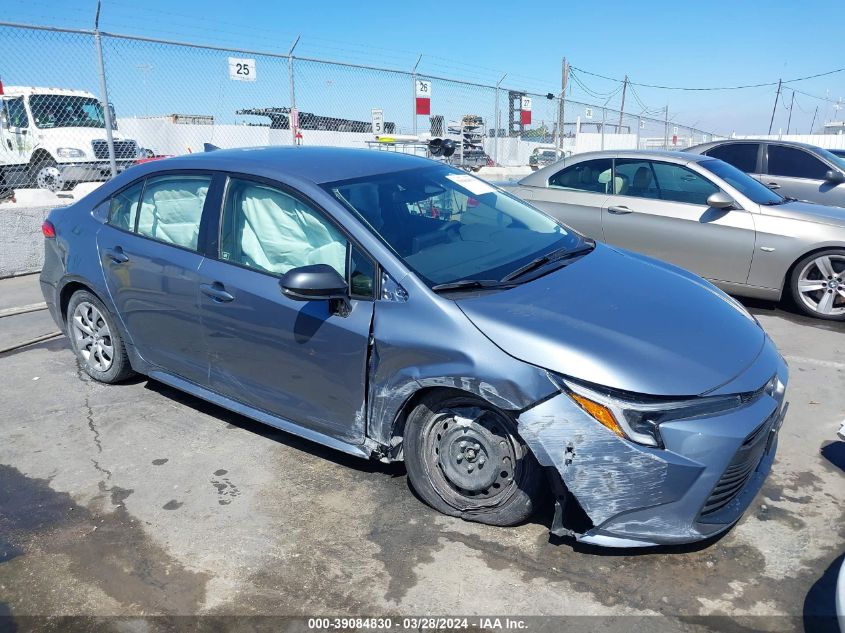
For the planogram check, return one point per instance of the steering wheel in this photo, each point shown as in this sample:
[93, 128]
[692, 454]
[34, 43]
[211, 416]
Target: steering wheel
[451, 229]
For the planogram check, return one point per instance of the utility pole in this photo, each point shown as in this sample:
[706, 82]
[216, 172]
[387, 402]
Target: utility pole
[813, 124]
[666, 128]
[564, 80]
[777, 96]
[622, 107]
[789, 120]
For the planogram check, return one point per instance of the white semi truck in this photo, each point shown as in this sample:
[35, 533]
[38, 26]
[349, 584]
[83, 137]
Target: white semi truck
[53, 138]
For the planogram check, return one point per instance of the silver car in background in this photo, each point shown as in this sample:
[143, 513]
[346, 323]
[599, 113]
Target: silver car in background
[796, 170]
[703, 215]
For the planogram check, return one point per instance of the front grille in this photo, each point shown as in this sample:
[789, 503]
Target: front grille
[122, 149]
[740, 469]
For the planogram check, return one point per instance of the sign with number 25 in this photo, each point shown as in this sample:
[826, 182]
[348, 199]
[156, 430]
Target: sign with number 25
[241, 69]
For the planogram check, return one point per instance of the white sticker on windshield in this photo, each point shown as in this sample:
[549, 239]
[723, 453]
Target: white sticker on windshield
[473, 185]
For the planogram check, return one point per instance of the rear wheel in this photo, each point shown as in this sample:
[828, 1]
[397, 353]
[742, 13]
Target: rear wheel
[44, 174]
[95, 339]
[818, 284]
[464, 458]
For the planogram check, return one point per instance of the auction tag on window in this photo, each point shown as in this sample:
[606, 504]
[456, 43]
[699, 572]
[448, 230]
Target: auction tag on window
[241, 69]
[471, 184]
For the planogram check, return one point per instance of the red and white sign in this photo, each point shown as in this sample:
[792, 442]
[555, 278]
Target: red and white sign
[1, 86]
[525, 111]
[423, 94]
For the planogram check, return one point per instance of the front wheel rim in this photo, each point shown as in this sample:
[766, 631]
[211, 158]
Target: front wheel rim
[49, 178]
[473, 458]
[821, 285]
[92, 337]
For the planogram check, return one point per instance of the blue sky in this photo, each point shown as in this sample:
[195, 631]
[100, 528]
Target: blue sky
[716, 43]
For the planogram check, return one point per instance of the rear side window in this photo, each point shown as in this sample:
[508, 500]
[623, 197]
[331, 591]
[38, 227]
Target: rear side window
[171, 209]
[123, 208]
[590, 175]
[743, 156]
[794, 162]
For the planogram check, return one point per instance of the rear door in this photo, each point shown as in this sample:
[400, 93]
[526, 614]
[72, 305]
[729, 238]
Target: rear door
[664, 214]
[150, 256]
[303, 361]
[575, 195]
[797, 173]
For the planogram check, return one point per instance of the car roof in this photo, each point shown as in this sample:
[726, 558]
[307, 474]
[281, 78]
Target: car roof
[314, 164]
[540, 177]
[703, 147]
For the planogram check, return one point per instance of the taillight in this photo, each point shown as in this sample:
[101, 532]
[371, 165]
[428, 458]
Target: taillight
[48, 229]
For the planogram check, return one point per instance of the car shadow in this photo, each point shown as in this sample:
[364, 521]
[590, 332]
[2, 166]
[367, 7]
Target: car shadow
[271, 433]
[786, 309]
[819, 613]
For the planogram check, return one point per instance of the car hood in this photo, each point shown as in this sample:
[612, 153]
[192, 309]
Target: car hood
[625, 321]
[807, 211]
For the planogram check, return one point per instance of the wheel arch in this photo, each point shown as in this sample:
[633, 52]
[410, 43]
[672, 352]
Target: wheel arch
[38, 155]
[69, 289]
[397, 429]
[787, 286]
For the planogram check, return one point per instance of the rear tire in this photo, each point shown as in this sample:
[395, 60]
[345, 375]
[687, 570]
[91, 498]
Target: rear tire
[96, 340]
[465, 459]
[817, 284]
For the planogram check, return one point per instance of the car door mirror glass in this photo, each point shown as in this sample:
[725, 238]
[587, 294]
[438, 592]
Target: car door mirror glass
[720, 200]
[316, 282]
[834, 177]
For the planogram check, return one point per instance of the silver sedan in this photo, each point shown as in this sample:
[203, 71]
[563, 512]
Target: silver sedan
[703, 215]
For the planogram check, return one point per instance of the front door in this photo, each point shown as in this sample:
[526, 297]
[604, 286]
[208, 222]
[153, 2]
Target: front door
[149, 254]
[303, 361]
[575, 195]
[664, 214]
[795, 172]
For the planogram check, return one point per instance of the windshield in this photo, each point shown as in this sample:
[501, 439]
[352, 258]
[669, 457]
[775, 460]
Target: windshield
[448, 226]
[742, 182]
[51, 111]
[836, 159]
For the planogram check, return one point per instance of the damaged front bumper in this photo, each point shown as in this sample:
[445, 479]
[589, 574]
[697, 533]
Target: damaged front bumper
[637, 496]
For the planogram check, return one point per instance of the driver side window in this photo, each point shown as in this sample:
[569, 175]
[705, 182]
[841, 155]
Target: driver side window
[269, 230]
[589, 175]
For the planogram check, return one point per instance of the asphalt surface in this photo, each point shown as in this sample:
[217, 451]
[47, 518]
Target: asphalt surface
[137, 500]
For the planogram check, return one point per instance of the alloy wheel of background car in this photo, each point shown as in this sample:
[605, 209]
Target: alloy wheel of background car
[464, 458]
[46, 175]
[95, 339]
[818, 284]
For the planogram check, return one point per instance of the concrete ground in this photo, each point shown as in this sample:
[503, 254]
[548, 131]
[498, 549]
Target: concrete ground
[137, 499]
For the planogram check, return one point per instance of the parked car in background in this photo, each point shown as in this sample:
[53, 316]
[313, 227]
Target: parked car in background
[57, 137]
[794, 170]
[704, 215]
[489, 350]
[542, 156]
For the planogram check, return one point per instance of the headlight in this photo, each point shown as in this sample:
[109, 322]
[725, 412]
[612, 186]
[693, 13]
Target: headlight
[638, 418]
[70, 152]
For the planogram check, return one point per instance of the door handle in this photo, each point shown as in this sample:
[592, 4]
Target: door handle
[117, 255]
[217, 292]
[619, 210]
[773, 185]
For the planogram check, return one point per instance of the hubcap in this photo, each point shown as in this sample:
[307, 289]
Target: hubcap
[474, 452]
[92, 337]
[821, 285]
[49, 178]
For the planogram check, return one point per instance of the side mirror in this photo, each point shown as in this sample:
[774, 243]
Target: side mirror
[834, 177]
[317, 282]
[720, 200]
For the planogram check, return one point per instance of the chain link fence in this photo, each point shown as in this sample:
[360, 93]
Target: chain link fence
[82, 105]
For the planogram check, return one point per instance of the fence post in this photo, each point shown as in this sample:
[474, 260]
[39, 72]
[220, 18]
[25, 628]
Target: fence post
[603, 119]
[639, 127]
[414, 97]
[293, 119]
[496, 123]
[666, 128]
[104, 98]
